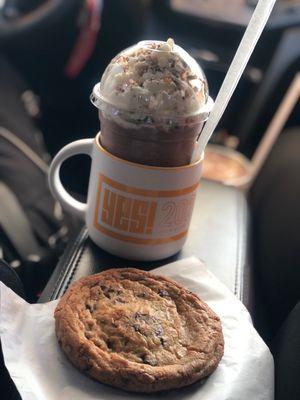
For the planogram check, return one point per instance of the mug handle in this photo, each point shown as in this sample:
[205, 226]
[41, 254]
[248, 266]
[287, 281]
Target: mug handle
[83, 146]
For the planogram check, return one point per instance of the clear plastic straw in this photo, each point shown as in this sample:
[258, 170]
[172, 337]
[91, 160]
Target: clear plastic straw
[254, 29]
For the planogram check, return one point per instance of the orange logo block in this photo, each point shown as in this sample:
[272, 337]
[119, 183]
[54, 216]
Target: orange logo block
[127, 214]
[142, 216]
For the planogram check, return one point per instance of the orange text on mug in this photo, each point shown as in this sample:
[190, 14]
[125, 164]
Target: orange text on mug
[127, 214]
[132, 214]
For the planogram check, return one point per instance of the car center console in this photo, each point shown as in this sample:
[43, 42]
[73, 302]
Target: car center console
[218, 235]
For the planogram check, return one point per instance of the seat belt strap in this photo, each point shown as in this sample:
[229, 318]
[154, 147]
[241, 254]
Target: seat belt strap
[16, 226]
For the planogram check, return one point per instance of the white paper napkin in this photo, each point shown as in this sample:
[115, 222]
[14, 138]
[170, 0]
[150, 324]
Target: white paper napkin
[41, 372]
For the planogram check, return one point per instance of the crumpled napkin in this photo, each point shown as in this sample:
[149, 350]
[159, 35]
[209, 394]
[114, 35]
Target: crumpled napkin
[41, 372]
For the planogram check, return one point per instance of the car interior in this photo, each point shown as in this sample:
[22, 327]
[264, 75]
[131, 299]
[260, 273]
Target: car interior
[53, 52]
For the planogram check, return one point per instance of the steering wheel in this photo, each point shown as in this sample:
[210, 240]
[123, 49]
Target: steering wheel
[42, 14]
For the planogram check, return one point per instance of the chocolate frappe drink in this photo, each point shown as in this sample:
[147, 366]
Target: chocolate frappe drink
[153, 101]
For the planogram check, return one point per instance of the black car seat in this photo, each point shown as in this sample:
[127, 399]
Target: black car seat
[275, 200]
[30, 225]
[33, 229]
[286, 352]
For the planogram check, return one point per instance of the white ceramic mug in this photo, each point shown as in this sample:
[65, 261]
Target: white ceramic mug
[133, 211]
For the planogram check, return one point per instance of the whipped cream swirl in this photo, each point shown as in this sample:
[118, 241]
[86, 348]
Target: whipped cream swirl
[154, 79]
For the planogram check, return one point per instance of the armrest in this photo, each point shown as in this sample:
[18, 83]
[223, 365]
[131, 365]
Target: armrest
[218, 235]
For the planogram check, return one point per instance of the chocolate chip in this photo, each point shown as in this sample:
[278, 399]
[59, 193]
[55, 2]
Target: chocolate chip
[163, 293]
[147, 359]
[136, 327]
[110, 344]
[120, 300]
[109, 292]
[159, 331]
[139, 315]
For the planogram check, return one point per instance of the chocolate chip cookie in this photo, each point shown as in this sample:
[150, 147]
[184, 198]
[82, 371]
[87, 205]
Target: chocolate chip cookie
[138, 331]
